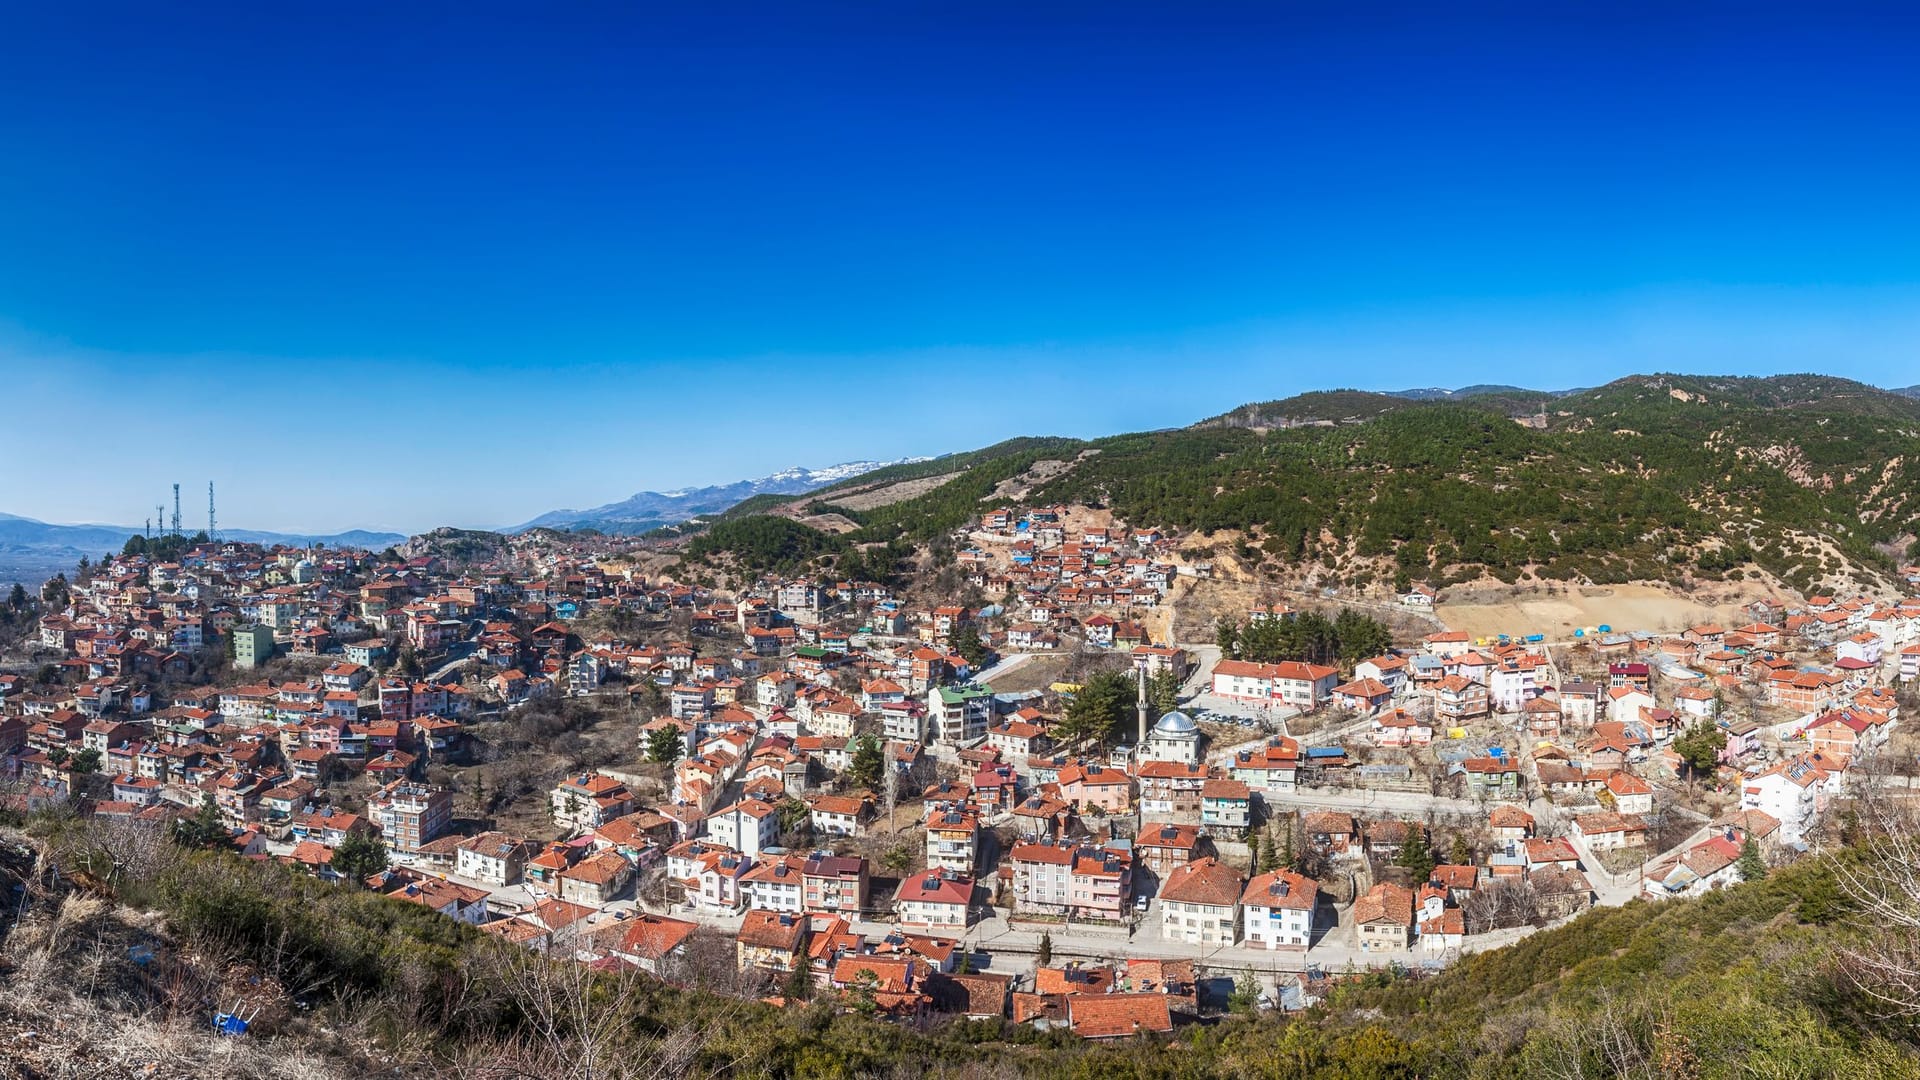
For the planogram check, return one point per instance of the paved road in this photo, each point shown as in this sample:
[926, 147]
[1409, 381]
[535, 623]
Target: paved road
[1615, 889]
[1402, 802]
[466, 657]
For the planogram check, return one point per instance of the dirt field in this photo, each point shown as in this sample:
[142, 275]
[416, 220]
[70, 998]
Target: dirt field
[885, 494]
[1038, 673]
[830, 523]
[1624, 607]
[1016, 488]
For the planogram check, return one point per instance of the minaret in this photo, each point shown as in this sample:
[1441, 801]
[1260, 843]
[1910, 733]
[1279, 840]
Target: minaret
[1141, 677]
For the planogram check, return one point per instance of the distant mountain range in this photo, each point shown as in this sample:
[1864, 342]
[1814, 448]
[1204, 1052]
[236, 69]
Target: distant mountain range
[1908, 391]
[650, 510]
[33, 550]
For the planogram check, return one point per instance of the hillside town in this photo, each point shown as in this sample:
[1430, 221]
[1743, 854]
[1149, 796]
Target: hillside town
[914, 804]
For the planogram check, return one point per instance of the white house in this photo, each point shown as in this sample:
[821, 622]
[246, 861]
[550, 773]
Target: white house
[1200, 903]
[1304, 686]
[749, 826]
[1865, 646]
[1277, 910]
[1791, 792]
[492, 858]
[934, 901]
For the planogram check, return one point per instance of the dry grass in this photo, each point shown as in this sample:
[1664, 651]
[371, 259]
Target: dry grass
[73, 1004]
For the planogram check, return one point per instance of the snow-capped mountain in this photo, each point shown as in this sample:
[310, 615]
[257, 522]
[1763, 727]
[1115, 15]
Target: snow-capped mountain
[649, 510]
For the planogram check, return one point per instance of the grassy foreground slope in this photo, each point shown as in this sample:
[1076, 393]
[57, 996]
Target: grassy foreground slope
[1743, 983]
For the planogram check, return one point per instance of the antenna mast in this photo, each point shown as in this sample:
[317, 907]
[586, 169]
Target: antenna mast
[211, 533]
[176, 509]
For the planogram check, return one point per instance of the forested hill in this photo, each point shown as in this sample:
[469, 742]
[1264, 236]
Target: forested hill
[1657, 477]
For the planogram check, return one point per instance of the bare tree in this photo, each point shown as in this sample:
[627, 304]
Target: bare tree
[890, 792]
[1884, 885]
[115, 849]
[1550, 822]
[1500, 904]
[578, 1024]
[708, 962]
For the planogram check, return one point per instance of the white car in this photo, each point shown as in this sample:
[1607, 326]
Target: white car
[1142, 904]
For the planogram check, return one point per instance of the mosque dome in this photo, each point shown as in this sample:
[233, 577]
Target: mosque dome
[1175, 723]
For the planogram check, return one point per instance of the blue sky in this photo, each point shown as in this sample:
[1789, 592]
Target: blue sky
[364, 266]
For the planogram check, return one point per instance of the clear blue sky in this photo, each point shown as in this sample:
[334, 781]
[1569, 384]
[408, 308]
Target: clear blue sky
[397, 265]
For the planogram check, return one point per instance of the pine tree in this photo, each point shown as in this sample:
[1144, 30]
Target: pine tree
[799, 985]
[869, 759]
[1226, 635]
[1266, 860]
[203, 830]
[1044, 956]
[1462, 853]
[359, 857]
[665, 745]
[1163, 692]
[1751, 866]
[966, 642]
[1246, 993]
[1700, 747]
[1289, 858]
[1097, 708]
[1414, 854]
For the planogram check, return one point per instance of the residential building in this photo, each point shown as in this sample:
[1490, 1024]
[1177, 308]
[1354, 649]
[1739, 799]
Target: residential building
[492, 858]
[953, 840]
[589, 800]
[1278, 910]
[771, 940]
[749, 826]
[1225, 804]
[834, 883]
[411, 815]
[959, 715]
[252, 645]
[1384, 918]
[935, 902]
[1200, 903]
